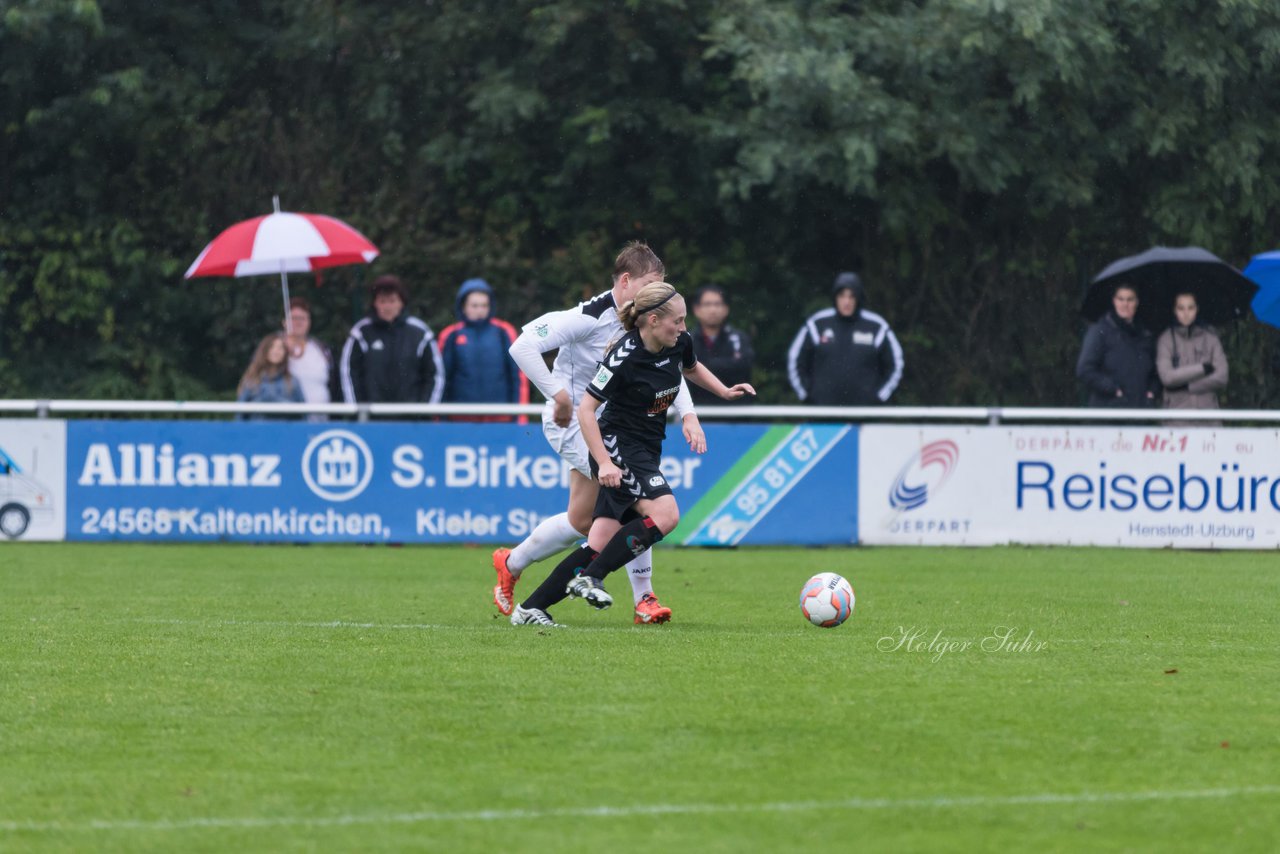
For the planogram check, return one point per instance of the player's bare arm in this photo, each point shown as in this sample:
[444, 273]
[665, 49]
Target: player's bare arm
[693, 434]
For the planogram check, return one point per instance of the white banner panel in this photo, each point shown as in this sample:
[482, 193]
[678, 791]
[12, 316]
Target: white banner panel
[1106, 486]
[33, 479]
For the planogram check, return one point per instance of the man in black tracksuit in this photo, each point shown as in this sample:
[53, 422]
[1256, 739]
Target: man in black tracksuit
[846, 355]
[391, 356]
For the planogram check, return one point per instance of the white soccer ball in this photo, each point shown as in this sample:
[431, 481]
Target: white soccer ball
[826, 600]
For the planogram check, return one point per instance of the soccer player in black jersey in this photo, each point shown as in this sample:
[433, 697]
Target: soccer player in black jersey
[635, 382]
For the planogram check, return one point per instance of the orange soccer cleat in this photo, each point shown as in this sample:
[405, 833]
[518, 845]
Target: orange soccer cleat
[650, 610]
[504, 592]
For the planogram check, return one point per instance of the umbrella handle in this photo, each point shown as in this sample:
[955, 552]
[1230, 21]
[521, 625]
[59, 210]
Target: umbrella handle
[284, 291]
[284, 282]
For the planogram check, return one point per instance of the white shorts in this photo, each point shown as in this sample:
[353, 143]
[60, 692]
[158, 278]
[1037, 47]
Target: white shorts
[568, 442]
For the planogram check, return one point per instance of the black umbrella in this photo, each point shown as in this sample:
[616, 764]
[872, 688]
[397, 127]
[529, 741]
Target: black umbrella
[1161, 273]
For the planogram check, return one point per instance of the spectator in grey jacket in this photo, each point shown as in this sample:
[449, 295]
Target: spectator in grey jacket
[1191, 362]
[1116, 362]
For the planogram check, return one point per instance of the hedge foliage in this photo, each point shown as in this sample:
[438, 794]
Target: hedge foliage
[977, 160]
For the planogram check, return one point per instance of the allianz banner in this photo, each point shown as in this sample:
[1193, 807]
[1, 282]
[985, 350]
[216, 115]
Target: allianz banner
[432, 482]
[1119, 486]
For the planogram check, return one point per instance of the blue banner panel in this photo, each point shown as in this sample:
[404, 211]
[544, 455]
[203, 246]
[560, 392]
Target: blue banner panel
[792, 487]
[409, 482]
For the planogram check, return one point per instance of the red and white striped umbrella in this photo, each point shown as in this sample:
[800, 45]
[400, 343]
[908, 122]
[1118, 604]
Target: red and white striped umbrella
[283, 242]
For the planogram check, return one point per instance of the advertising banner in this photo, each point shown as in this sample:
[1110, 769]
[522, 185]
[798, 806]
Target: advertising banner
[444, 482]
[33, 499]
[795, 484]
[1106, 486]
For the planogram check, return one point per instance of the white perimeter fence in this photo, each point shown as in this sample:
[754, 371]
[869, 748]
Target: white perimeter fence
[368, 411]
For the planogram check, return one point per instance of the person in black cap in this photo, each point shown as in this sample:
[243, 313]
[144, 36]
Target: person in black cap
[846, 355]
[390, 355]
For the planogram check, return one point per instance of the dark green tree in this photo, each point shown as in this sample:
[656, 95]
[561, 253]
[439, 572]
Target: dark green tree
[977, 162]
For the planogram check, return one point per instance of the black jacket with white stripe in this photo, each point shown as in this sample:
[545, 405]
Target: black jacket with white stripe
[396, 362]
[845, 361]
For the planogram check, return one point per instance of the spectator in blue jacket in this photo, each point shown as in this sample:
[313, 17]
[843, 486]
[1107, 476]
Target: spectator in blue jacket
[267, 379]
[477, 366]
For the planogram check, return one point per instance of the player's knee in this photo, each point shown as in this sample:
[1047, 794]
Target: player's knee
[666, 520]
[580, 521]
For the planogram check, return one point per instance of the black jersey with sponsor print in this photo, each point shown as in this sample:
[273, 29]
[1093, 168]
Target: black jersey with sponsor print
[637, 386]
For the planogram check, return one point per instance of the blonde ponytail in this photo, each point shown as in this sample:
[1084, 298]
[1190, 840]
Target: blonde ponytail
[653, 297]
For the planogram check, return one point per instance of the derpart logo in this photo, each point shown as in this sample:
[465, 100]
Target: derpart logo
[337, 465]
[923, 475]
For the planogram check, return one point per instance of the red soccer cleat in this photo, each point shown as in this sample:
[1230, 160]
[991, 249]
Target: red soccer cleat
[504, 592]
[650, 610]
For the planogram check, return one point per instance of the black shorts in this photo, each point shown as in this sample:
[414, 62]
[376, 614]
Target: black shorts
[641, 477]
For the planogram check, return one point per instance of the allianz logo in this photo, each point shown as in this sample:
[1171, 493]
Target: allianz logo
[129, 464]
[337, 465]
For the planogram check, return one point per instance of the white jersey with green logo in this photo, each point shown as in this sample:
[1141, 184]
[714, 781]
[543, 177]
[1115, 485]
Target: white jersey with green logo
[581, 334]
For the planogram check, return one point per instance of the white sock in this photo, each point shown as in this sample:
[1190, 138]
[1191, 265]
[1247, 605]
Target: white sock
[552, 536]
[640, 571]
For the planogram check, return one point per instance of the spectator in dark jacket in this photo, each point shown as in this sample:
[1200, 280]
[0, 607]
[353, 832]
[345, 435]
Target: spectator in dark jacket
[846, 355]
[391, 356]
[724, 349]
[477, 366]
[1117, 360]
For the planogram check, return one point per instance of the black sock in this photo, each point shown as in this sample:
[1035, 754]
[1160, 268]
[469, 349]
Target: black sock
[552, 590]
[630, 541]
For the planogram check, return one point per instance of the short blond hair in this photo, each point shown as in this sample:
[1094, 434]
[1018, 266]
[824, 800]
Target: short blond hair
[637, 259]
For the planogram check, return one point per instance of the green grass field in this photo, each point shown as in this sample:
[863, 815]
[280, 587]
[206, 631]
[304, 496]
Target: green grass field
[215, 698]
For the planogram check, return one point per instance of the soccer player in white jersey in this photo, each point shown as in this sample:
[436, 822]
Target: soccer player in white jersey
[581, 335]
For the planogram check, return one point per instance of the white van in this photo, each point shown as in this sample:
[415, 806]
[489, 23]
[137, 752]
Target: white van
[22, 497]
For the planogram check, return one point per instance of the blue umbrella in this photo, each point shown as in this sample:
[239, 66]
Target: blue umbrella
[1265, 270]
